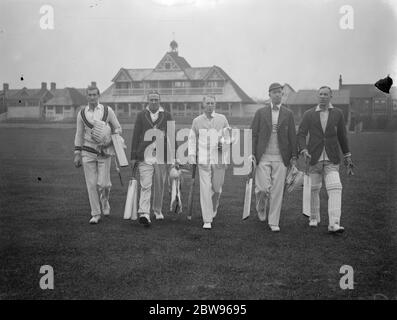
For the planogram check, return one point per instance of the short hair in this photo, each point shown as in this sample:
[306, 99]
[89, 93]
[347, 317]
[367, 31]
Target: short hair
[93, 88]
[326, 87]
[209, 96]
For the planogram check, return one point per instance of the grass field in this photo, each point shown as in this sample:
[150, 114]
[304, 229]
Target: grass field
[44, 213]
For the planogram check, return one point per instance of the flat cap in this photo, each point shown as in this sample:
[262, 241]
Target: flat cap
[275, 85]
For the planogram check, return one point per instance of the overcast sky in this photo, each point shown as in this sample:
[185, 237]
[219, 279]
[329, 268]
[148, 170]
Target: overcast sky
[256, 42]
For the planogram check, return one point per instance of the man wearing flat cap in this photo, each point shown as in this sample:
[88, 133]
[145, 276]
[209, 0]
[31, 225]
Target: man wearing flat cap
[274, 149]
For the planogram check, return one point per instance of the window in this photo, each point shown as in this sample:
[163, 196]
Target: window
[58, 109]
[167, 65]
[50, 108]
[67, 108]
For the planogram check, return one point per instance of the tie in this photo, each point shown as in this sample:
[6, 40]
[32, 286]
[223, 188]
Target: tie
[275, 108]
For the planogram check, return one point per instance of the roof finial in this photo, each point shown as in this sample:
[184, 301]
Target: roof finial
[174, 44]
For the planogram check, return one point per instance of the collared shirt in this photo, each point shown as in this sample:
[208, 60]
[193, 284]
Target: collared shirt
[155, 115]
[95, 114]
[275, 114]
[324, 114]
[204, 137]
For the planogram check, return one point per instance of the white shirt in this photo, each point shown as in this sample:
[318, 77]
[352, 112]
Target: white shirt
[95, 114]
[204, 137]
[275, 114]
[154, 116]
[324, 113]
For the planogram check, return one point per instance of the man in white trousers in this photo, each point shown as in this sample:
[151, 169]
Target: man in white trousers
[204, 148]
[145, 153]
[274, 149]
[93, 154]
[326, 126]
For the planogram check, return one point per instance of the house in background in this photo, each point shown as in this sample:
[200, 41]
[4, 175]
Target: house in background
[303, 100]
[26, 103]
[65, 103]
[370, 107]
[181, 88]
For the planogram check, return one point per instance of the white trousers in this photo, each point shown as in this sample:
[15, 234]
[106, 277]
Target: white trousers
[330, 172]
[146, 172]
[269, 187]
[212, 177]
[97, 178]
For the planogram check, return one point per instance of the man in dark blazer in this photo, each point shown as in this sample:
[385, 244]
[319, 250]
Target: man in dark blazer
[150, 156]
[326, 127]
[274, 149]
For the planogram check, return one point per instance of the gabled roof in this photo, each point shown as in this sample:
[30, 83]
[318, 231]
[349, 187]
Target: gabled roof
[309, 97]
[67, 97]
[166, 75]
[363, 91]
[197, 73]
[180, 61]
[26, 93]
[9, 92]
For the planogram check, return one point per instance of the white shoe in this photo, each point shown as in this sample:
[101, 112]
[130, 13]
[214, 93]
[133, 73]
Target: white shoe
[274, 228]
[313, 223]
[207, 225]
[95, 219]
[336, 228]
[159, 216]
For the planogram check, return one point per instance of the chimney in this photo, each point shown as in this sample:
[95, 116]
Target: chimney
[5, 87]
[340, 81]
[93, 83]
[53, 86]
[44, 85]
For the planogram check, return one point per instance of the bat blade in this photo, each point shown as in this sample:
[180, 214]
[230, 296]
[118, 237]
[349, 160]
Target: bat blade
[307, 189]
[247, 199]
[190, 197]
[129, 202]
[134, 213]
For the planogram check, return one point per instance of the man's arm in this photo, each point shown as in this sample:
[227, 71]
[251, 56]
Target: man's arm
[342, 135]
[292, 136]
[255, 130]
[114, 121]
[136, 136]
[78, 140]
[192, 142]
[302, 132]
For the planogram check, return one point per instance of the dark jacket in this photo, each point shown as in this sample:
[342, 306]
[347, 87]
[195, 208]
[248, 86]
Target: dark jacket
[143, 123]
[262, 128]
[334, 136]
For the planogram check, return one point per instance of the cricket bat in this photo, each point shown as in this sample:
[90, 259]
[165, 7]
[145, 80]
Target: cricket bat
[118, 145]
[190, 197]
[307, 192]
[248, 193]
[130, 209]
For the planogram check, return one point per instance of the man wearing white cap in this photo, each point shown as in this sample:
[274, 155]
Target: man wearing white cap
[274, 150]
[204, 149]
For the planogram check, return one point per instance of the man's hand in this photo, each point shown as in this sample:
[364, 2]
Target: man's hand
[192, 159]
[133, 163]
[293, 162]
[349, 165]
[305, 154]
[77, 160]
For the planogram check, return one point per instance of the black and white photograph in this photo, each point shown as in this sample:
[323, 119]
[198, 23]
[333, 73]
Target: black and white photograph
[198, 155]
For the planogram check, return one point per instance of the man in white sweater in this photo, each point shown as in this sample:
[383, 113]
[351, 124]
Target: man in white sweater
[94, 154]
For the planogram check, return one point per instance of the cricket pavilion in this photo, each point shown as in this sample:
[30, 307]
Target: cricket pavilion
[181, 87]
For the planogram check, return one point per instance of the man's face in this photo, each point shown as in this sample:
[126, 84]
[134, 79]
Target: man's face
[93, 96]
[276, 95]
[324, 96]
[154, 101]
[209, 104]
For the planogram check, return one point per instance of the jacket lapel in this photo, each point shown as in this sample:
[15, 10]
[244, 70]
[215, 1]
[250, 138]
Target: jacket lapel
[330, 119]
[268, 115]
